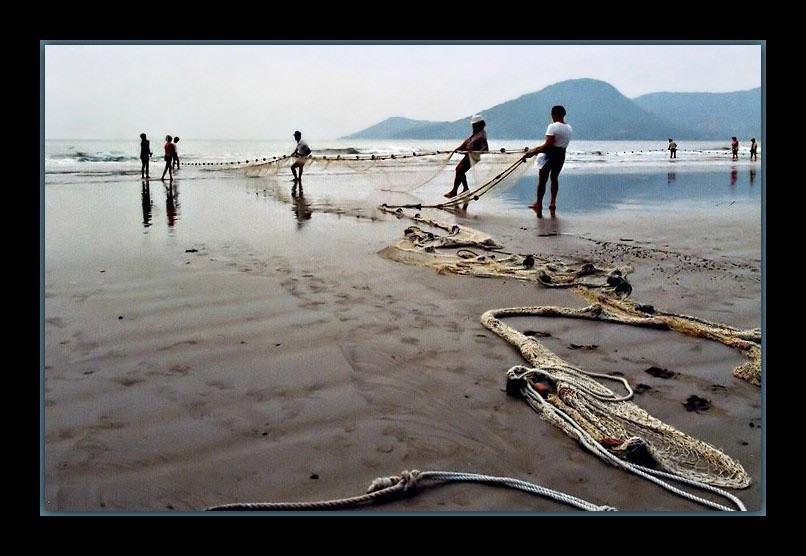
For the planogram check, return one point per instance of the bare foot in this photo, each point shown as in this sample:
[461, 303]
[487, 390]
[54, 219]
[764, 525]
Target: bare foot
[450, 194]
[536, 206]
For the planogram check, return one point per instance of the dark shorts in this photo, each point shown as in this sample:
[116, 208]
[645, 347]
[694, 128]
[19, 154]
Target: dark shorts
[168, 158]
[555, 158]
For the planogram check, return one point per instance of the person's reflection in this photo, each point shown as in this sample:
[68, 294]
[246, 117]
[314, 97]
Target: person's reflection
[458, 210]
[146, 195]
[734, 173]
[752, 176]
[171, 203]
[670, 177]
[302, 209]
[548, 227]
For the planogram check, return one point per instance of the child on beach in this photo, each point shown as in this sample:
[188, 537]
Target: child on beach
[145, 155]
[558, 136]
[475, 145]
[176, 153]
[301, 150]
[672, 149]
[169, 156]
[753, 149]
[734, 148]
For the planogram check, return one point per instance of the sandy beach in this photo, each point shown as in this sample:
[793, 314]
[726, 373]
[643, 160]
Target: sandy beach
[229, 341]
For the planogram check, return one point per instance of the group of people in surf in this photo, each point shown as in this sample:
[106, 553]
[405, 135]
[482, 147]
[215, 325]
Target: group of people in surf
[171, 156]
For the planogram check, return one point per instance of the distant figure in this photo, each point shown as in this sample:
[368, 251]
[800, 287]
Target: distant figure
[734, 173]
[753, 149]
[558, 135]
[301, 150]
[672, 149]
[145, 155]
[176, 152]
[474, 145]
[169, 156]
[734, 148]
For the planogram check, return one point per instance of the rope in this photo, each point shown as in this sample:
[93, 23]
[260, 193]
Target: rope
[537, 402]
[408, 481]
[341, 157]
[577, 402]
[467, 196]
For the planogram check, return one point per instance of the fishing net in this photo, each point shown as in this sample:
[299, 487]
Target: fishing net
[574, 401]
[402, 172]
[568, 397]
[463, 250]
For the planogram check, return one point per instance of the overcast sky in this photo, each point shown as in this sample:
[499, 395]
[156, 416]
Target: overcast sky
[266, 91]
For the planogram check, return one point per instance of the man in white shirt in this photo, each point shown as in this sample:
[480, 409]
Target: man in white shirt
[300, 151]
[558, 135]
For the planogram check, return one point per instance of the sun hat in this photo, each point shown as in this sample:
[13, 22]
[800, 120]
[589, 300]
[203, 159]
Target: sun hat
[476, 119]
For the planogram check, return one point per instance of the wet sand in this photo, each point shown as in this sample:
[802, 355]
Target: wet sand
[230, 342]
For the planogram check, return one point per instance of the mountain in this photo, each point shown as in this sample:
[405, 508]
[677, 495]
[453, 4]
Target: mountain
[715, 115]
[596, 111]
[389, 128]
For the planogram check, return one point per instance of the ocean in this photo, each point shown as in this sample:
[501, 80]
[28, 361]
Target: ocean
[598, 175]
[116, 157]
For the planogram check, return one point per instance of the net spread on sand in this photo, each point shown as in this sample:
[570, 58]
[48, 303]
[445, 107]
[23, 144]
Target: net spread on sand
[606, 423]
[477, 254]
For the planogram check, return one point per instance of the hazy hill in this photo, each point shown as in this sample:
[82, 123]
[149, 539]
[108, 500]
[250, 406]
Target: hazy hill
[713, 115]
[596, 110]
[390, 127]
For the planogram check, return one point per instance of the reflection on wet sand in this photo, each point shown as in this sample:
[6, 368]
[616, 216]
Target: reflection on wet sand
[550, 226]
[147, 204]
[171, 203]
[302, 209]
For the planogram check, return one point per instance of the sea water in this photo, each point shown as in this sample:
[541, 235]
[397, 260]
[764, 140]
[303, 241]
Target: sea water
[600, 180]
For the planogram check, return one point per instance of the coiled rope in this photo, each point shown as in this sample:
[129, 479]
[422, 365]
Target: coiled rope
[407, 482]
[536, 401]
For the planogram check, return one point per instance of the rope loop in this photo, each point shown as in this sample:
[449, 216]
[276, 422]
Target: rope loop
[407, 480]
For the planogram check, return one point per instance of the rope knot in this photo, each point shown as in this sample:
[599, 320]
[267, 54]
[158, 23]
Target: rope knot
[407, 480]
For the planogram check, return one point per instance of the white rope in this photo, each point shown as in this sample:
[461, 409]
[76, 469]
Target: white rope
[539, 404]
[520, 485]
[471, 194]
[409, 481]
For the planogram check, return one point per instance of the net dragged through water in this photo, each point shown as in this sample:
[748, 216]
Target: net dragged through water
[403, 172]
